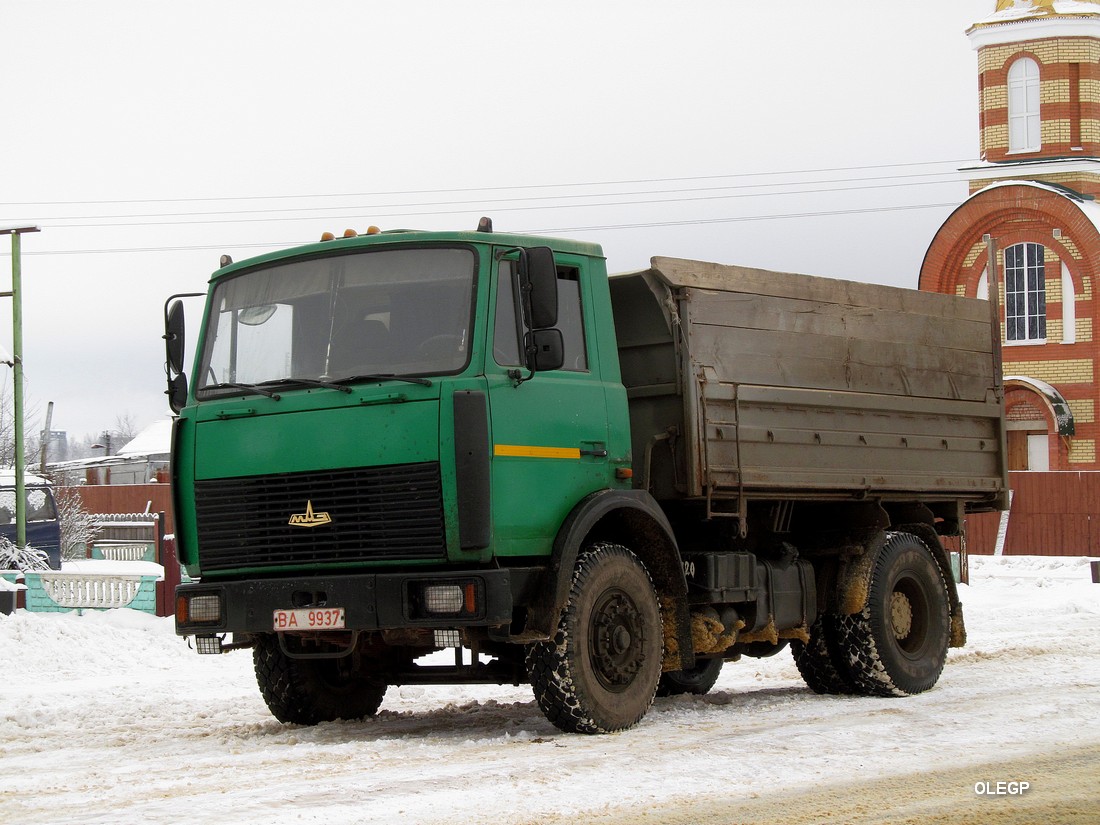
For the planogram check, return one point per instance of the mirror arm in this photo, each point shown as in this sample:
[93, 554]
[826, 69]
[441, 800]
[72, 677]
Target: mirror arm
[177, 381]
[518, 292]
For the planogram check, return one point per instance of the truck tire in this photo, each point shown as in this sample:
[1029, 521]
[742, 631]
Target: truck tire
[599, 673]
[309, 691]
[897, 645]
[819, 660]
[697, 680]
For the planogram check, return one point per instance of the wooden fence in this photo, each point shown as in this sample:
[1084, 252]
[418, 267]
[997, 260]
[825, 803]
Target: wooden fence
[1053, 514]
[128, 498]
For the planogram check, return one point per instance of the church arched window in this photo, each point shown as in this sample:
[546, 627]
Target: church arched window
[1024, 133]
[1025, 293]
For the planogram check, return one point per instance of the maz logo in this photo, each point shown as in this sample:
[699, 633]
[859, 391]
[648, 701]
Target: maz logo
[309, 518]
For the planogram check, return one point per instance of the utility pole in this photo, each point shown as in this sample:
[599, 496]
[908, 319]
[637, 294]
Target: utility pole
[16, 233]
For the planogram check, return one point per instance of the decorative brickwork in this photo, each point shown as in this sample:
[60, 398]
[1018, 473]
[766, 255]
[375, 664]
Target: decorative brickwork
[1071, 248]
[1070, 371]
[1024, 202]
[1082, 451]
[1084, 410]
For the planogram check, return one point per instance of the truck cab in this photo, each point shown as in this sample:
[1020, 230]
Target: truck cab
[384, 434]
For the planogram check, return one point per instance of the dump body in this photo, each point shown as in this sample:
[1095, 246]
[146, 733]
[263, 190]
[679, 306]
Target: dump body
[745, 383]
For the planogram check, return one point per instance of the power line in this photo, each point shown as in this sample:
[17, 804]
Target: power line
[516, 187]
[546, 231]
[466, 204]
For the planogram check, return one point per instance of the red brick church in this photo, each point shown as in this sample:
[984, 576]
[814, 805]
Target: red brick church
[1033, 199]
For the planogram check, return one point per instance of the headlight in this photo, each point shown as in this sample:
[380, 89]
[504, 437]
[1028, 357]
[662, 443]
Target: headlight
[205, 609]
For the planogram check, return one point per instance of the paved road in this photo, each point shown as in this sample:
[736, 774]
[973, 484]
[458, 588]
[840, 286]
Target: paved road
[1063, 790]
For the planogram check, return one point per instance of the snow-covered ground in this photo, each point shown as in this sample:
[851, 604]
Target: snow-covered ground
[109, 718]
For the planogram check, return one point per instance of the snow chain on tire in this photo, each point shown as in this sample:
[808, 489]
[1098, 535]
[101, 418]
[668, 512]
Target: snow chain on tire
[310, 691]
[897, 644]
[820, 661]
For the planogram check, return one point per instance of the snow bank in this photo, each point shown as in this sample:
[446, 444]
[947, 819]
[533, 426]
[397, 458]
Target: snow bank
[105, 567]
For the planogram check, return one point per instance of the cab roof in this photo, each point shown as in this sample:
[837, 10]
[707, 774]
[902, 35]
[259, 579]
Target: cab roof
[412, 237]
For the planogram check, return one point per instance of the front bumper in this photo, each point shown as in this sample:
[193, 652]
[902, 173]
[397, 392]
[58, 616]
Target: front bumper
[375, 601]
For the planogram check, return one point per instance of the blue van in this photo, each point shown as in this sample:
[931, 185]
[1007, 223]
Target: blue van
[43, 527]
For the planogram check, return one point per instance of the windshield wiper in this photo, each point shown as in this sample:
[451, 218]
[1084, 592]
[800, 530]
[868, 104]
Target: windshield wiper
[307, 382]
[225, 385]
[386, 376]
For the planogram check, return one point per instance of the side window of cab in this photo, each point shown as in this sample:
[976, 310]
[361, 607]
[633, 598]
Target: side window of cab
[570, 318]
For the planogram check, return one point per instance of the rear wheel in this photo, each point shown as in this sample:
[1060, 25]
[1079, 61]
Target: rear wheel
[897, 645]
[820, 661]
[599, 673]
[697, 680]
[309, 691]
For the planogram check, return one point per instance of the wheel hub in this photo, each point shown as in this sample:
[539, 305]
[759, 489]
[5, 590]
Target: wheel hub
[901, 615]
[617, 641]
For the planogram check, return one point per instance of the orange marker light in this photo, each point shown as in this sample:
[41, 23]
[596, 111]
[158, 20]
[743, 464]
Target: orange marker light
[327, 236]
[373, 230]
[350, 233]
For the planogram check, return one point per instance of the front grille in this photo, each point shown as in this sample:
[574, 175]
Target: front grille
[373, 513]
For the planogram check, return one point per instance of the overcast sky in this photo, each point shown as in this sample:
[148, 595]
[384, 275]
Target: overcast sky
[147, 138]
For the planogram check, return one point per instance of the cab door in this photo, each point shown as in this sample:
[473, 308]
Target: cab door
[549, 433]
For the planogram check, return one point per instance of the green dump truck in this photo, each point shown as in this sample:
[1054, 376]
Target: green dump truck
[396, 443]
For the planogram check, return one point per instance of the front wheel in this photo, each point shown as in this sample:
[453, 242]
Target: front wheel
[599, 673]
[897, 645]
[309, 691]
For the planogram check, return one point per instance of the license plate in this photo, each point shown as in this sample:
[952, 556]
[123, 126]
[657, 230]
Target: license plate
[310, 618]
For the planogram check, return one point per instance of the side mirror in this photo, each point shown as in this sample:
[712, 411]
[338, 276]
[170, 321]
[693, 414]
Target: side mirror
[174, 349]
[174, 336]
[545, 350]
[177, 392]
[538, 277]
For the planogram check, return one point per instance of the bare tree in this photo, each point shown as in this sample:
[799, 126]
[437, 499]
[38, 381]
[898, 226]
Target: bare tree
[124, 430]
[31, 435]
[78, 528]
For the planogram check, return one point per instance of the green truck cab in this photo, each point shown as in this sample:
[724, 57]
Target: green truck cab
[401, 442]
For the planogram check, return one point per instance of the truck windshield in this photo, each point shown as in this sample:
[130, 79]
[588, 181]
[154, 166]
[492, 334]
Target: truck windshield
[404, 312]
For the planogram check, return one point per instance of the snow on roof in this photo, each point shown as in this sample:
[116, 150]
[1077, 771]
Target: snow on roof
[1010, 10]
[7, 478]
[156, 439]
[1044, 19]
